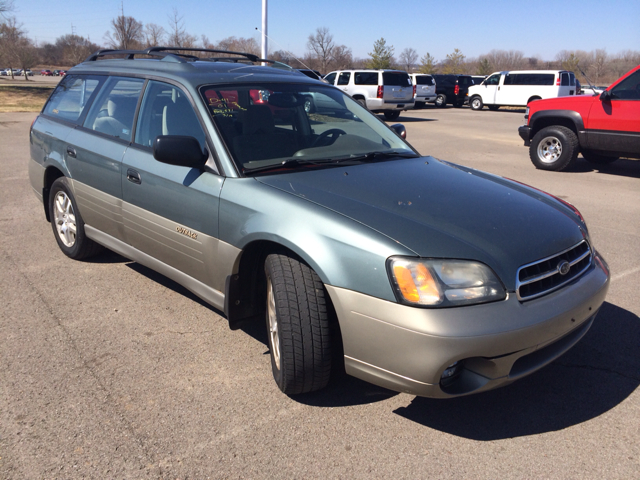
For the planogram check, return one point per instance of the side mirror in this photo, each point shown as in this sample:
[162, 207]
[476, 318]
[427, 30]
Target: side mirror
[400, 130]
[183, 151]
[605, 96]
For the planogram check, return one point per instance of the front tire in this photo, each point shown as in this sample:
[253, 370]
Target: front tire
[309, 107]
[554, 148]
[597, 159]
[441, 101]
[393, 115]
[476, 103]
[298, 326]
[67, 224]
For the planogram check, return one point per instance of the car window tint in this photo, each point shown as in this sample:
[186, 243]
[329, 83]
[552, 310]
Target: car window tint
[629, 88]
[70, 97]
[113, 111]
[397, 79]
[465, 81]
[424, 80]
[344, 77]
[166, 110]
[493, 80]
[365, 78]
[564, 79]
[331, 78]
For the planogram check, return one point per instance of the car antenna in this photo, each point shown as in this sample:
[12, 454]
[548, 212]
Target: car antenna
[271, 39]
[587, 79]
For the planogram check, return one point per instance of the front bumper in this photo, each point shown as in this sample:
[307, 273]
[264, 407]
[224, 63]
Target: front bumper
[407, 349]
[525, 131]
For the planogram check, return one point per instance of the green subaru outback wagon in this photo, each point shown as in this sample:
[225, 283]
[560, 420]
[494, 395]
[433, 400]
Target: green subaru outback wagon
[278, 198]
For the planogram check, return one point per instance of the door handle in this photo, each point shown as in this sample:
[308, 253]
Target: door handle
[71, 152]
[133, 176]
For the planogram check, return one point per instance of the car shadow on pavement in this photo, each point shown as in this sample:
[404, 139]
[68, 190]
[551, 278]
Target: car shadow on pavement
[599, 373]
[405, 119]
[622, 168]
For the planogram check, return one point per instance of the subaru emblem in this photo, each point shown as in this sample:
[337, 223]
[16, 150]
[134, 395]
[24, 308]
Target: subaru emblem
[564, 267]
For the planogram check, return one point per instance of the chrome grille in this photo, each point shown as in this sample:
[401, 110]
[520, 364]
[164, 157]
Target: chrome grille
[542, 277]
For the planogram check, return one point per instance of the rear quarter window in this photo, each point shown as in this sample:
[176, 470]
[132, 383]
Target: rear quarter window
[366, 78]
[71, 96]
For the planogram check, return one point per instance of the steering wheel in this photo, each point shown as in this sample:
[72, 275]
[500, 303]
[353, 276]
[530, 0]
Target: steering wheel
[332, 132]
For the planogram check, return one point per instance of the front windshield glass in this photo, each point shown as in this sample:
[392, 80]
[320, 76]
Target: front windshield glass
[264, 125]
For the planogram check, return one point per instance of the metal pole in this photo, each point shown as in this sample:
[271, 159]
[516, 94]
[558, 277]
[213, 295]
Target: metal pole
[265, 48]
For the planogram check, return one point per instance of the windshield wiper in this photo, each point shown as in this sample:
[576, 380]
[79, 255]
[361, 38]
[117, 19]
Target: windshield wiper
[382, 155]
[288, 163]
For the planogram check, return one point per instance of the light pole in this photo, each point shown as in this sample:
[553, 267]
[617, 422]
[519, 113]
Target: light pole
[265, 49]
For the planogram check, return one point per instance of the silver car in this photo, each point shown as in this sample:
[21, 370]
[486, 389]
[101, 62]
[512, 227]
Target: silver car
[354, 250]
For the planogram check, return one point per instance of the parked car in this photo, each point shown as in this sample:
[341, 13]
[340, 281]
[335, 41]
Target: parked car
[46, 73]
[425, 89]
[59, 73]
[602, 127]
[451, 89]
[414, 273]
[29, 72]
[518, 88]
[381, 91]
[478, 79]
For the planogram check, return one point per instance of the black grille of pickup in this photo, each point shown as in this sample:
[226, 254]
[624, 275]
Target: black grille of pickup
[542, 277]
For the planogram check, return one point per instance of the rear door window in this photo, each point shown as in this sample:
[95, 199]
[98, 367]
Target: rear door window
[564, 79]
[365, 78]
[114, 108]
[344, 77]
[71, 97]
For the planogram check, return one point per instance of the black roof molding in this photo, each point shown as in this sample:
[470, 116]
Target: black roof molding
[176, 54]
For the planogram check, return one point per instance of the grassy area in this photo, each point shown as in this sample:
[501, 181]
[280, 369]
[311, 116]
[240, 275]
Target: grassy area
[23, 99]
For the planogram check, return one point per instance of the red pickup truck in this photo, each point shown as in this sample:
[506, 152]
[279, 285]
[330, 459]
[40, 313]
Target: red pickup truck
[602, 127]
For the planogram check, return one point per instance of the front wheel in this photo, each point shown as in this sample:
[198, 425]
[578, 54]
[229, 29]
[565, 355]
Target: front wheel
[393, 115]
[298, 326]
[67, 224]
[309, 107]
[597, 159]
[554, 148]
[476, 103]
[441, 101]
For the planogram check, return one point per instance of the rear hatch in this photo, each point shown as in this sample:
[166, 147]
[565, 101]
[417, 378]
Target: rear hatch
[425, 86]
[397, 87]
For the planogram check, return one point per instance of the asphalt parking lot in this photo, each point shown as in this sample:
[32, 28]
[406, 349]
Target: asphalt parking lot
[109, 370]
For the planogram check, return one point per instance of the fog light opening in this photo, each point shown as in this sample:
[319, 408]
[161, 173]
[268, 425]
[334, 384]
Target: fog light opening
[451, 373]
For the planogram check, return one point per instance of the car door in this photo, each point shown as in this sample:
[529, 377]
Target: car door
[171, 212]
[614, 124]
[489, 89]
[94, 153]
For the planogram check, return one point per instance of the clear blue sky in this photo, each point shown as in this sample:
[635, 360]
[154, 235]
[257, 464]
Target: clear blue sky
[541, 28]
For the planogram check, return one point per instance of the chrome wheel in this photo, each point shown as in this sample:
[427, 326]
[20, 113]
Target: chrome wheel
[549, 149]
[65, 219]
[307, 105]
[272, 317]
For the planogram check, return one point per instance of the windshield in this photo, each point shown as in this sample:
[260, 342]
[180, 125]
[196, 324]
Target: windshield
[268, 124]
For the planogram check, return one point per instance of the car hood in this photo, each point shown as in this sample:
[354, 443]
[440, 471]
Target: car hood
[441, 210]
[564, 103]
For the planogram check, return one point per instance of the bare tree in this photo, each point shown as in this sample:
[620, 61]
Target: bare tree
[341, 58]
[126, 34]
[321, 45]
[408, 58]
[5, 7]
[599, 64]
[506, 60]
[74, 49]
[15, 48]
[153, 35]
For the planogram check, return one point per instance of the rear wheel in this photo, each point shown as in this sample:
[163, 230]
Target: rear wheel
[362, 102]
[298, 326]
[308, 105]
[476, 103]
[532, 99]
[420, 104]
[441, 101]
[493, 108]
[67, 224]
[598, 159]
[392, 115]
[554, 148]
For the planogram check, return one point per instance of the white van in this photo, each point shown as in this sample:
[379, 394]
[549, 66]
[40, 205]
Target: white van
[519, 87]
[425, 89]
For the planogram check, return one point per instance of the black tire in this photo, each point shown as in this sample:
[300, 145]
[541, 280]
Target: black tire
[493, 108]
[301, 346]
[419, 105]
[309, 106]
[598, 159]
[393, 115]
[458, 103]
[476, 103]
[65, 218]
[441, 100]
[554, 148]
[532, 99]
[362, 102]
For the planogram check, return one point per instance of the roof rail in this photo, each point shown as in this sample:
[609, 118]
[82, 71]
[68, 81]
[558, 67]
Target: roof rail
[174, 53]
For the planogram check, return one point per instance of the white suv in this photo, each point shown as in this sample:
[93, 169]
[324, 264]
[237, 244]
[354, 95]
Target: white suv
[424, 88]
[381, 91]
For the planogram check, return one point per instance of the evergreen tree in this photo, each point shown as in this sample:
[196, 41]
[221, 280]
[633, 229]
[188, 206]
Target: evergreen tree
[382, 55]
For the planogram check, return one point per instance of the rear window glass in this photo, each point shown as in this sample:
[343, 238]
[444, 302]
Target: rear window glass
[465, 81]
[529, 79]
[396, 79]
[424, 80]
[71, 97]
[366, 78]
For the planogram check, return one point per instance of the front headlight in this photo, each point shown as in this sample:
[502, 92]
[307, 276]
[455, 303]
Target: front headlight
[443, 283]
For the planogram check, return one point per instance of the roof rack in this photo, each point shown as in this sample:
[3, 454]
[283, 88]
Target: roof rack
[174, 54]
